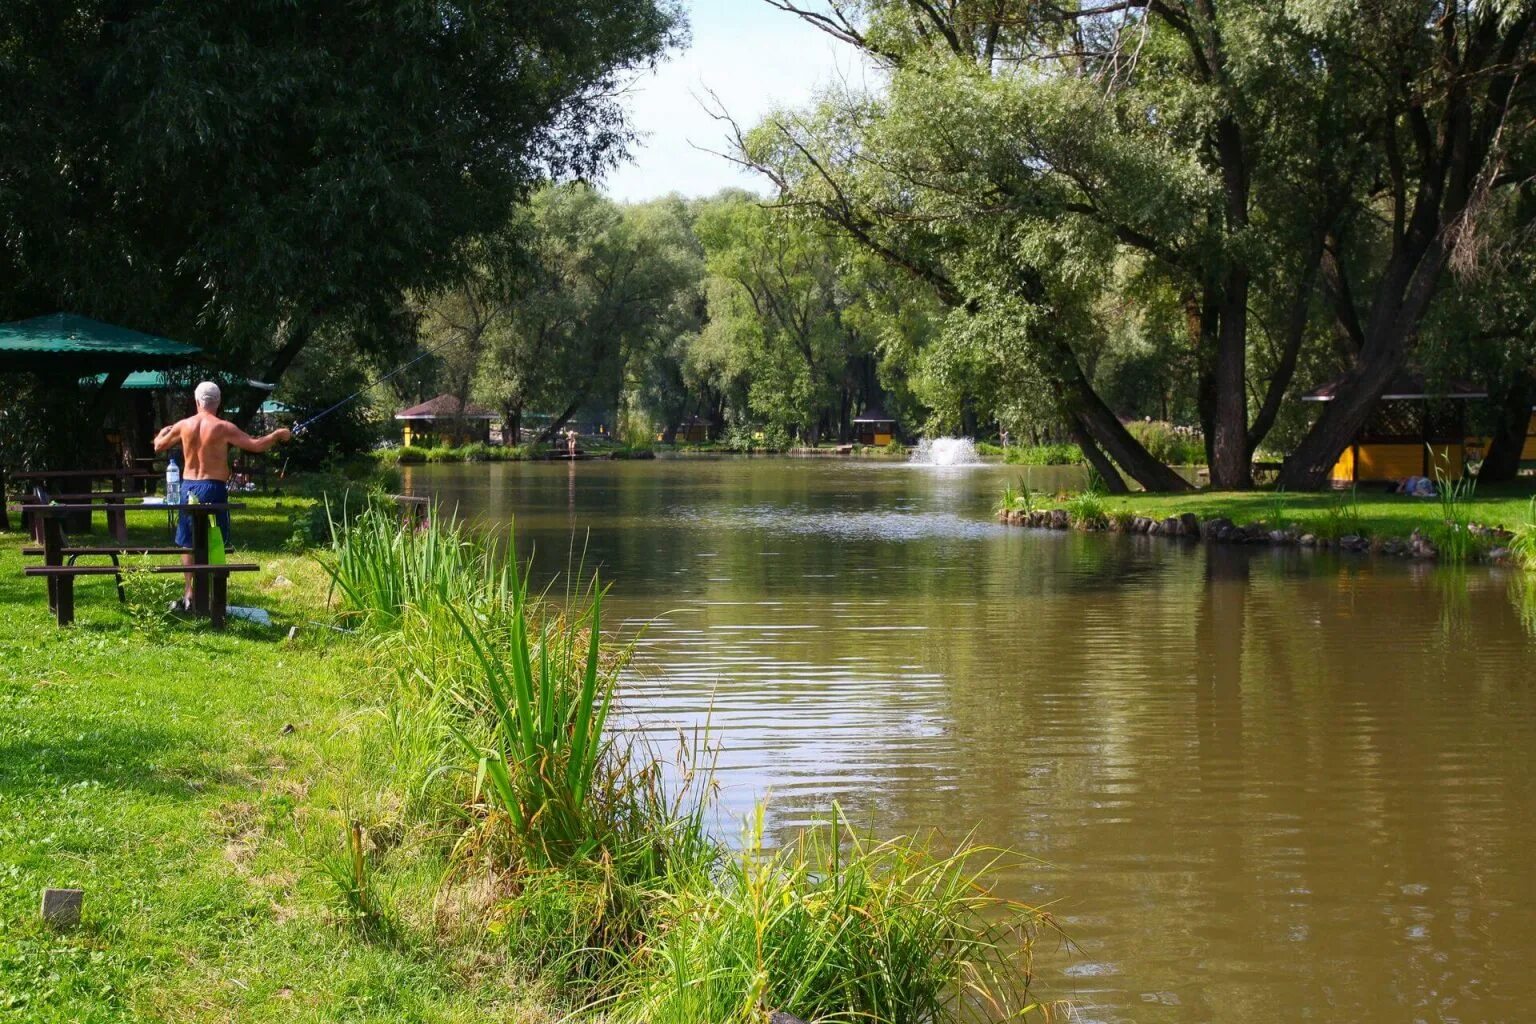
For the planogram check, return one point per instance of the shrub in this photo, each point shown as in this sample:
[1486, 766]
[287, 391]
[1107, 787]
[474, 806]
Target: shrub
[1167, 443]
[1045, 455]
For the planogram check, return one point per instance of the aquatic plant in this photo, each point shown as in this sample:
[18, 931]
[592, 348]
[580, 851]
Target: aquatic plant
[607, 882]
[1017, 498]
[1087, 511]
[836, 927]
[1453, 536]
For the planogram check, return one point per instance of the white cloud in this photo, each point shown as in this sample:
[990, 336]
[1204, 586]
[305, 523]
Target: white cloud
[754, 59]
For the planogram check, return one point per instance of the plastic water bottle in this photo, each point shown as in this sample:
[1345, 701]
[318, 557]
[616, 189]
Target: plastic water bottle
[172, 481]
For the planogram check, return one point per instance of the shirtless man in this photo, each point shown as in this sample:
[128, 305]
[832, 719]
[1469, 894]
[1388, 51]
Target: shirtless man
[205, 440]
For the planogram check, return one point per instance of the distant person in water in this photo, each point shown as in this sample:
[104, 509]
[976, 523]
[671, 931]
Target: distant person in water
[205, 439]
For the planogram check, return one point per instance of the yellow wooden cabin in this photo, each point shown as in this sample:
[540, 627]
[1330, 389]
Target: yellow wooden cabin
[873, 427]
[1415, 430]
[444, 420]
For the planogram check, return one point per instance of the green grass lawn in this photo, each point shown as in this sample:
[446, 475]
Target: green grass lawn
[149, 761]
[1380, 514]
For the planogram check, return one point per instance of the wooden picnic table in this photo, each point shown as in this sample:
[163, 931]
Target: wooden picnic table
[119, 479]
[209, 583]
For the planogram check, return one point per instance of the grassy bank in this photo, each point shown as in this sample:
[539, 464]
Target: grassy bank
[414, 810]
[1363, 512]
[191, 783]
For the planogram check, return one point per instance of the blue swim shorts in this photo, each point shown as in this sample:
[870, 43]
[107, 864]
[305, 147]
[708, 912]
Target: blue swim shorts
[207, 492]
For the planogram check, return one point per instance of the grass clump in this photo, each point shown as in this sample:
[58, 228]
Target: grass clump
[1168, 444]
[835, 927]
[1453, 535]
[1523, 545]
[1017, 498]
[1087, 511]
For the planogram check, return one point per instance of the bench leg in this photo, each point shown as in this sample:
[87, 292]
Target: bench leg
[64, 607]
[219, 598]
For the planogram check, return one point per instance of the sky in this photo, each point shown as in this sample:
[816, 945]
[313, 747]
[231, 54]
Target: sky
[755, 59]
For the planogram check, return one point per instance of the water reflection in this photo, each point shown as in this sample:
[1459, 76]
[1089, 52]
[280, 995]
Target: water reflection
[1263, 786]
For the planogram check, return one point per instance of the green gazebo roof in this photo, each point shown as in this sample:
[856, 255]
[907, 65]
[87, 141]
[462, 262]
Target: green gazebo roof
[139, 380]
[77, 344]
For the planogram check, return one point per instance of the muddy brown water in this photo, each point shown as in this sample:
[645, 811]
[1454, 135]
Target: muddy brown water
[1261, 786]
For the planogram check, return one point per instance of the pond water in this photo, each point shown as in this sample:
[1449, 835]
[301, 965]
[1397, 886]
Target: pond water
[1260, 786]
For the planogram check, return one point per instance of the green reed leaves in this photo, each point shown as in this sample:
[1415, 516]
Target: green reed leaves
[500, 724]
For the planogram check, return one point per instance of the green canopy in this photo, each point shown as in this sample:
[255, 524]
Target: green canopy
[140, 380]
[64, 342]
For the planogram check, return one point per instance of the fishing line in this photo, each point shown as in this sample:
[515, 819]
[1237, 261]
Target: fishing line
[301, 427]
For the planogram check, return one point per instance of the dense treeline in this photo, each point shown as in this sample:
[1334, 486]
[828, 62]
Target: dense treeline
[1040, 217]
[1283, 192]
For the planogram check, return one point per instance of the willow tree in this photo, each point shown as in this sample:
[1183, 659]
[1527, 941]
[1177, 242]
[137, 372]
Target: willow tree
[1274, 164]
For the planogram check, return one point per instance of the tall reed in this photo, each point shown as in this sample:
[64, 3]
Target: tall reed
[835, 927]
[1454, 537]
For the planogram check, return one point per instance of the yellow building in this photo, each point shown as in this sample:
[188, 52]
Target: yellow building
[873, 427]
[444, 420]
[1414, 431]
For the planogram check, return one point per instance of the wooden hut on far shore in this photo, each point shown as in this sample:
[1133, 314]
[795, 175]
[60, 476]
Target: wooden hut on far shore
[444, 420]
[874, 427]
[1414, 429]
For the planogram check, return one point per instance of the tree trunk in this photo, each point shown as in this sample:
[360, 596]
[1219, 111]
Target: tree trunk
[1502, 462]
[1400, 302]
[273, 374]
[1083, 407]
[565, 417]
[1231, 468]
[1097, 459]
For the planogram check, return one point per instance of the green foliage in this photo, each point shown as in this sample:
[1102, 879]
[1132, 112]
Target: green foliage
[1523, 545]
[1165, 443]
[776, 304]
[1341, 517]
[351, 876]
[1044, 455]
[1087, 511]
[836, 927]
[1453, 536]
[273, 170]
[745, 439]
[1017, 498]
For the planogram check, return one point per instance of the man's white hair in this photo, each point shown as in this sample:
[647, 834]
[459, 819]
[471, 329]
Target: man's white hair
[208, 395]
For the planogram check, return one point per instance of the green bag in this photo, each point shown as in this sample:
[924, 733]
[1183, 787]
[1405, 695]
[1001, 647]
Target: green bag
[216, 555]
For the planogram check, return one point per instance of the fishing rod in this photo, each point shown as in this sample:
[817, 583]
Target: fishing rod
[299, 428]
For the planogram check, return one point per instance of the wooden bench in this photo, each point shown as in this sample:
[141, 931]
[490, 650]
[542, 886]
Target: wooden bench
[61, 585]
[70, 555]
